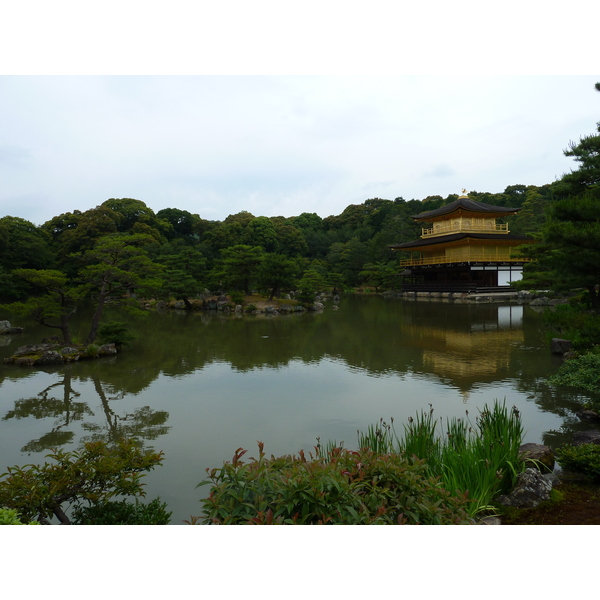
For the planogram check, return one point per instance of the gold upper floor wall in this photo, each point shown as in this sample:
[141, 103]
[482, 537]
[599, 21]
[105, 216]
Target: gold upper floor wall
[461, 224]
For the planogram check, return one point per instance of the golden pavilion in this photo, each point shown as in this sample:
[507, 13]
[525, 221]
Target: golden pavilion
[463, 249]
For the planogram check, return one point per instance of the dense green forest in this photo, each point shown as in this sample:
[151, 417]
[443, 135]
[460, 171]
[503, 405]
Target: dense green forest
[123, 246]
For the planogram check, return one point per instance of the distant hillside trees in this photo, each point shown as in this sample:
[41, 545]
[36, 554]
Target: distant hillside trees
[22, 246]
[114, 268]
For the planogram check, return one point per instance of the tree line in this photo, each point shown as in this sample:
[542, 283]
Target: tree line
[179, 254]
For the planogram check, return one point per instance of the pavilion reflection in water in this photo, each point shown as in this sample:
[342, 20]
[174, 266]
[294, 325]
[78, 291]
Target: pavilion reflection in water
[470, 354]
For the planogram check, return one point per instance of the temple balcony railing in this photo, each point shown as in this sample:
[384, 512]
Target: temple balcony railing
[468, 228]
[471, 258]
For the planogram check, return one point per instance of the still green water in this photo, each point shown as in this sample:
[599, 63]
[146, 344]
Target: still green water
[200, 385]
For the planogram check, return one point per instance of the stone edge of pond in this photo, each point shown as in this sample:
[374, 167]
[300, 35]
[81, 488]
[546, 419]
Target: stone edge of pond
[533, 298]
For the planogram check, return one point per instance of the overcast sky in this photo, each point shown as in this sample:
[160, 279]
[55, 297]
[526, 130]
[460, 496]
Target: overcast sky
[217, 143]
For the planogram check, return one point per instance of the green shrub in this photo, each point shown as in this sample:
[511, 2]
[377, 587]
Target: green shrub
[237, 298]
[581, 372]
[574, 323]
[422, 476]
[8, 516]
[584, 458]
[337, 487]
[91, 351]
[115, 332]
[93, 474]
[122, 513]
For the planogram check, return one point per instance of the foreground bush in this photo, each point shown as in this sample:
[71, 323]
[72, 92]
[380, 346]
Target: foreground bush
[582, 372]
[94, 474]
[8, 516]
[574, 322]
[337, 487]
[584, 459]
[122, 513]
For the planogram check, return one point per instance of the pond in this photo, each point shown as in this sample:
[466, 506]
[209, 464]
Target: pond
[200, 385]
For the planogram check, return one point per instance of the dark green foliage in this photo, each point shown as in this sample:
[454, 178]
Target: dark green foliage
[536, 276]
[582, 372]
[584, 458]
[348, 259]
[184, 224]
[78, 232]
[135, 212]
[55, 306]
[568, 253]
[117, 266]
[339, 487]
[277, 273]
[123, 513]
[291, 241]
[336, 281]
[12, 288]
[261, 232]
[184, 271]
[311, 282]
[532, 216]
[93, 474]
[239, 266]
[380, 275]
[308, 221]
[576, 323]
[237, 298]
[115, 332]
[22, 246]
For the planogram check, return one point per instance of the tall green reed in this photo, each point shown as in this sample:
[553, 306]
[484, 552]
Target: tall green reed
[481, 458]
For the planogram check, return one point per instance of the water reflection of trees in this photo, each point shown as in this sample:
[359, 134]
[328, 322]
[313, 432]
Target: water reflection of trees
[64, 410]
[463, 345]
[143, 423]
